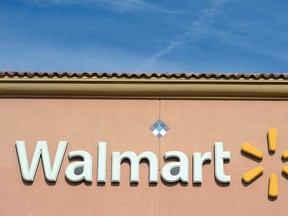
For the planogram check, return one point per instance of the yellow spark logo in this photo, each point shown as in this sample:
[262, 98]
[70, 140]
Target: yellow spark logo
[249, 176]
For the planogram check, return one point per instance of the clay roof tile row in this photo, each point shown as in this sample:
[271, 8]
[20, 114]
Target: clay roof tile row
[146, 75]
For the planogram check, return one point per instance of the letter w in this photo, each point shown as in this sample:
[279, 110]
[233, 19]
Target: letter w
[28, 173]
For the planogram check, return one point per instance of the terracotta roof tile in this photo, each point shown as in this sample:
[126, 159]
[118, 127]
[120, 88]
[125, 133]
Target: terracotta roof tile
[233, 76]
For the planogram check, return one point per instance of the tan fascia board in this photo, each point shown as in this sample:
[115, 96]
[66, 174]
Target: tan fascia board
[144, 88]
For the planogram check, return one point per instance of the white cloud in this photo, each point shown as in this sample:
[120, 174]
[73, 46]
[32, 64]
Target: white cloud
[31, 57]
[117, 5]
[197, 28]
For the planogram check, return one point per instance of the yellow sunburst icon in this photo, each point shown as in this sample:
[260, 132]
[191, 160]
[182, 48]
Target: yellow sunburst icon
[249, 176]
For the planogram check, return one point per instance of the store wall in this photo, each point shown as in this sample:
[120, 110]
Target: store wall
[194, 126]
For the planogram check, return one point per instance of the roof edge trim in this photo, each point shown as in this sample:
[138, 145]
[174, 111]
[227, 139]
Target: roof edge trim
[143, 86]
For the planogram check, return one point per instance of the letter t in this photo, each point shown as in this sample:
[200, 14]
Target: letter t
[219, 158]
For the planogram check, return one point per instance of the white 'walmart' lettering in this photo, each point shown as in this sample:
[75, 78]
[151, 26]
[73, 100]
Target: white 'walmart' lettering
[182, 164]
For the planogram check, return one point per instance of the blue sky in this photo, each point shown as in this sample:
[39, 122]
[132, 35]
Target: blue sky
[144, 35]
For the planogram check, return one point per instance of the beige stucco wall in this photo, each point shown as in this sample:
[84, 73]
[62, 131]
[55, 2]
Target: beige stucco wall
[194, 127]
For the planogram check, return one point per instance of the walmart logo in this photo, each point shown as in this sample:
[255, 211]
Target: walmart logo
[251, 175]
[171, 172]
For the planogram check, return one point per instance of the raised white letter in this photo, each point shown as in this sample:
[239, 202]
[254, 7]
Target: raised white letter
[219, 158]
[182, 165]
[102, 154]
[85, 166]
[198, 162]
[41, 149]
[134, 165]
